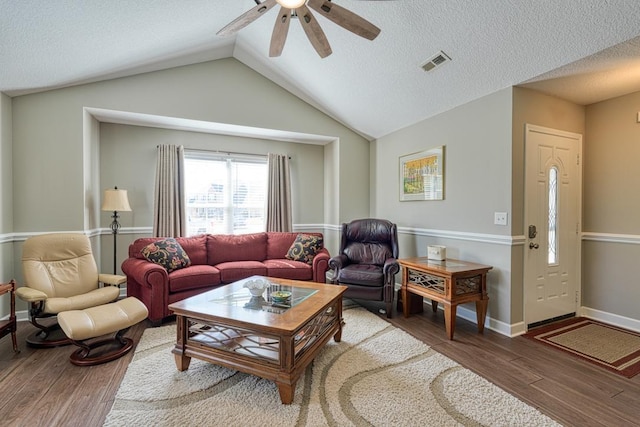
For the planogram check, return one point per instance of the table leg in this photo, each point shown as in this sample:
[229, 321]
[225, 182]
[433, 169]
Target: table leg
[450, 319]
[182, 362]
[286, 392]
[481, 313]
[405, 301]
[337, 337]
[434, 305]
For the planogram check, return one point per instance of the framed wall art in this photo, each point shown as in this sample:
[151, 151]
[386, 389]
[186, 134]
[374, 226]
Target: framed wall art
[422, 175]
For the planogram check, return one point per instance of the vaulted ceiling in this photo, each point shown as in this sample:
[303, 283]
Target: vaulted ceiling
[582, 50]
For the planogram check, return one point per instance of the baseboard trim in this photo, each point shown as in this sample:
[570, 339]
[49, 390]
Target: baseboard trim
[489, 323]
[611, 319]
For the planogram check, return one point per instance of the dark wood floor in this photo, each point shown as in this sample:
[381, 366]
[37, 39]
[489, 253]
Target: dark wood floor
[41, 387]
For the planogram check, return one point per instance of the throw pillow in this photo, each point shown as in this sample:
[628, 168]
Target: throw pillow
[304, 248]
[167, 253]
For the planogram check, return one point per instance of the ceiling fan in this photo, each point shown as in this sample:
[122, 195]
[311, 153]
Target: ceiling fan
[300, 8]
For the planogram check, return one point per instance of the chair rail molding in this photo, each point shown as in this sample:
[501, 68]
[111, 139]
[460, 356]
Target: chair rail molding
[517, 240]
[632, 239]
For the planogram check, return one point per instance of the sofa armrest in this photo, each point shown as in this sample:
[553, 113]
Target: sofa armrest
[145, 273]
[320, 266]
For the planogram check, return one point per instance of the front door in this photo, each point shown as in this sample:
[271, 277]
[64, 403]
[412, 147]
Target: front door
[552, 223]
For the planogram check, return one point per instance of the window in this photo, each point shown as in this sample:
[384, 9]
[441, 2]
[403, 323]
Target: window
[552, 254]
[225, 194]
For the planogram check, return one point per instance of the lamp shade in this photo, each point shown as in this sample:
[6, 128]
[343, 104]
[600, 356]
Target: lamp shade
[115, 200]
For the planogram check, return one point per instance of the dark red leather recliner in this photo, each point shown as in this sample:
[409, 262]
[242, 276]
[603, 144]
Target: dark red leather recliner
[367, 262]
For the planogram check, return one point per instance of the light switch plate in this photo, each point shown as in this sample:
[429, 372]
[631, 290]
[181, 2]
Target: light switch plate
[500, 218]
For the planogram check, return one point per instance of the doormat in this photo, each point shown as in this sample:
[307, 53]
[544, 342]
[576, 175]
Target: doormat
[610, 347]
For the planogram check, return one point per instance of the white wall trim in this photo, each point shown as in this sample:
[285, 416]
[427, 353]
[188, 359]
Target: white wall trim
[519, 328]
[104, 115]
[611, 319]
[612, 238]
[461, 235]
[444, 234]
[489, 323]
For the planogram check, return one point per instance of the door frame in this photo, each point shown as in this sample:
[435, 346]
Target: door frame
[578, 273]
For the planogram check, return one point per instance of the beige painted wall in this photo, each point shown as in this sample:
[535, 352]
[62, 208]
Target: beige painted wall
[477, 139]
[6, 167]
[133, 149]
[612, 173]
[611, 204]
[48, 132]
[6, 199]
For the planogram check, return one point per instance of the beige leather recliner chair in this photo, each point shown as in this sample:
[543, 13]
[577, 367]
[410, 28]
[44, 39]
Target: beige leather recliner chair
[61, 274]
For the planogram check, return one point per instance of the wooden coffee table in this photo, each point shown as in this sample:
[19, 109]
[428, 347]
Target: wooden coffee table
[228, 327]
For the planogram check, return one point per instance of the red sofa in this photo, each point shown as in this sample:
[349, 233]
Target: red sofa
[215, 260]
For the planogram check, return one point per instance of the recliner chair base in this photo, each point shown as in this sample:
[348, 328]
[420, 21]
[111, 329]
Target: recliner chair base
[98, 352]
[48, 337]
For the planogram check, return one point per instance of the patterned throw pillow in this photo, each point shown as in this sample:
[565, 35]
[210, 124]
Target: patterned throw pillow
[167, 253]
[304, 248]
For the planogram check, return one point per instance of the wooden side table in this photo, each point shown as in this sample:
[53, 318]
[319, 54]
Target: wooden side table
[9, 326]
[450, 282]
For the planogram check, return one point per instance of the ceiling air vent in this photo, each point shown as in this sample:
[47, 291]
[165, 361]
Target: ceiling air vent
[437, 60]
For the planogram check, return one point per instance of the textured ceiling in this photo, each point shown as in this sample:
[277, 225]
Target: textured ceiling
[582, 50]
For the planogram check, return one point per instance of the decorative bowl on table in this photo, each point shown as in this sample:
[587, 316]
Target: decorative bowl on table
[256, 286]
[280, 297]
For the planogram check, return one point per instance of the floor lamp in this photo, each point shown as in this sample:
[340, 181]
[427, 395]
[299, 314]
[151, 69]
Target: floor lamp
[116, 201]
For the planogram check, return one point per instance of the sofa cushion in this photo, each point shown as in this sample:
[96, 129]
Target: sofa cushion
[236, 270]
[288, 269]
[362, 274]
[194, 246]
[278, 244]
[167, 253]
[304, 248]
[193, 277]
[240, 247]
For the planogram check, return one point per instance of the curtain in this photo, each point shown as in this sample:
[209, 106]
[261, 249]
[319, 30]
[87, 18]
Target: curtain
[278, 193]
[169, 219]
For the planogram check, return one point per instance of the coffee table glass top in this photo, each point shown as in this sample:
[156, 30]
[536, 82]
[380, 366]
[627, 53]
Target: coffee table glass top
[237, 296]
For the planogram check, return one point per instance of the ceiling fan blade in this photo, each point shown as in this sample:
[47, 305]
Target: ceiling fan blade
[246, 18]
[314, 33]
[345, 18]
[280, 30]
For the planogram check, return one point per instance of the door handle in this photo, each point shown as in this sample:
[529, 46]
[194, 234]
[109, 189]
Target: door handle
[533, 245]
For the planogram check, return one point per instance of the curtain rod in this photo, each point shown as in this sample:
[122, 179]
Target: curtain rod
[227, 152]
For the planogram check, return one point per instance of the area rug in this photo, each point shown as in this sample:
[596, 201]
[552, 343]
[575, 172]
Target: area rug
[610, 347]
[377, 376]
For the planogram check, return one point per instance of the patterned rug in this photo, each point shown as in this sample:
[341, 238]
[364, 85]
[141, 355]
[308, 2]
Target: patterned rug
[377, 376]
[610, 347]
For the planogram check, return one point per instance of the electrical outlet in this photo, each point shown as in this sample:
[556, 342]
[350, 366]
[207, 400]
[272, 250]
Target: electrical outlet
[500, 218]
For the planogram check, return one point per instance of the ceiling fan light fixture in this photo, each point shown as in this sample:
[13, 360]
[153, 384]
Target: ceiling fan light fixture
[291, 4]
